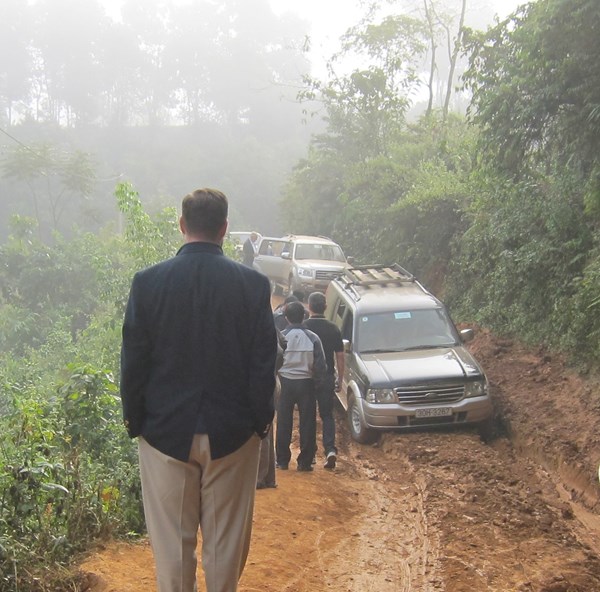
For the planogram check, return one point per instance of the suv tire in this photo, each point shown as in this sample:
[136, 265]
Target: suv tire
[291, 286]
[486, 430]
[358, 430]
[275, 288]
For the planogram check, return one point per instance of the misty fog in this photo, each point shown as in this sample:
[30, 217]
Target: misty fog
[169, 96]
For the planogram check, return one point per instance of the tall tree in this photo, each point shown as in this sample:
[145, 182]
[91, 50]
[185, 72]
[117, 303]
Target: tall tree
[366, 108]
[454, 45]
[429, 17]
[54, 179]
[15, 58]
[121, 64]
[189, 52]
[149, 22]
[69, 34]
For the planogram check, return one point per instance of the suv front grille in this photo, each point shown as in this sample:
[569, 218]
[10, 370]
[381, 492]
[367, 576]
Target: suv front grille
[326, 276]
[430, 395]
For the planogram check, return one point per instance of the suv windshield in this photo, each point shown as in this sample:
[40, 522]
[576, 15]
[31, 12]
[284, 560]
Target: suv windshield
[319, 252]
[404, 329]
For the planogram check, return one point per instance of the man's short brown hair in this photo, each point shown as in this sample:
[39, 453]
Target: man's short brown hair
[204, 211]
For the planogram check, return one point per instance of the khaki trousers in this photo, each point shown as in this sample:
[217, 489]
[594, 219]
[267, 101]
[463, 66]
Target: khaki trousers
[215, 495]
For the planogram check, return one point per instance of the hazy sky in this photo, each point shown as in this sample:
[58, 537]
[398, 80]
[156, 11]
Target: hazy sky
[329, 19]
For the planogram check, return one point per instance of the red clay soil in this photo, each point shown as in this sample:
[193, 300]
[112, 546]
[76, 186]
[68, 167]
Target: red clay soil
[434, 510]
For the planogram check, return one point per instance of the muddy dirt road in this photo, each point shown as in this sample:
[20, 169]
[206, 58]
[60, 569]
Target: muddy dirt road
[433, 511]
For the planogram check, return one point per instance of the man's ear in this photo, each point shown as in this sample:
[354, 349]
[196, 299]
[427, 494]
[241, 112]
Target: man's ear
[182, 225]
[223, 230]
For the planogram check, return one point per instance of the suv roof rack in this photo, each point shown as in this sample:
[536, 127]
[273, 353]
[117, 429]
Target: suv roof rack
[376, 275]
[366, 275]
[292, 236]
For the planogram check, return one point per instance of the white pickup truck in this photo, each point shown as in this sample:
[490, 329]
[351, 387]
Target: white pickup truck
[299, 262]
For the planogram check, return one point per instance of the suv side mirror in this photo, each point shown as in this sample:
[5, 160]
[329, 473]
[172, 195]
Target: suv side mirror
[467, 335]
[286, 255]
[350, 260]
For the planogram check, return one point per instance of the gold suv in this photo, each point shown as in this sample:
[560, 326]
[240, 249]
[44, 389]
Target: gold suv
[406, 363]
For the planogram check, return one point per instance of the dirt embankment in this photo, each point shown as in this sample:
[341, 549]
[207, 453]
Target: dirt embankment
[433, 511]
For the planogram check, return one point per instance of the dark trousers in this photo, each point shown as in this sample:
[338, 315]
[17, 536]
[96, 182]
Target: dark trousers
[326, 400]
[266, 462]
[300, 393]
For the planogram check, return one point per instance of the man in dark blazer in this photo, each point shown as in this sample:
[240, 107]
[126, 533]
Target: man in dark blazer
[197, 381]
[249, 249]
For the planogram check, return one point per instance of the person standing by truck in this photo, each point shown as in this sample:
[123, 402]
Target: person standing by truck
[333, 348]
[301, 376]
[249, 249]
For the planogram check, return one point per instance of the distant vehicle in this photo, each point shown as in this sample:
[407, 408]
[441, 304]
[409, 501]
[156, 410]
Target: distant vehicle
[240, 237]
[406, 364]
[299, 262]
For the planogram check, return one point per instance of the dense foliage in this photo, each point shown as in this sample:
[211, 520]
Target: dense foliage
[71, 63]
[530, 257]
[498, 212]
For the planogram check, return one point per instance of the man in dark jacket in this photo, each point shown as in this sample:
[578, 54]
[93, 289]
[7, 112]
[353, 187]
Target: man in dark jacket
[249, 249]
[197, 381]
[333, 348]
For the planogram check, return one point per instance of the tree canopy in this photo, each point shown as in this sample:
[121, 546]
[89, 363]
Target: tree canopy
[536, 86]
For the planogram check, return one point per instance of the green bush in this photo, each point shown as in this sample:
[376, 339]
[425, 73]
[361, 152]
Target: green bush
[68, 475]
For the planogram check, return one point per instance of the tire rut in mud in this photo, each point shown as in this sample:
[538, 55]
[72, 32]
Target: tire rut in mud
[492, 521]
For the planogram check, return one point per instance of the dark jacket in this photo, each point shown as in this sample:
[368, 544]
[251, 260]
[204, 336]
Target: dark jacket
[198, 338]
[248, 252]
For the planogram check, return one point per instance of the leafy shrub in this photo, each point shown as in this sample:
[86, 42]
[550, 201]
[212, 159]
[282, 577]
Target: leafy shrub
[68, 475]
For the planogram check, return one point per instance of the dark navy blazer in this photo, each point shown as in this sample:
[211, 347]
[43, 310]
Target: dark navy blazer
[198, 338]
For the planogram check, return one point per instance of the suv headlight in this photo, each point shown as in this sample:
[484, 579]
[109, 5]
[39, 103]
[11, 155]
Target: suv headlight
[305, 272]
[477, 388]
[381, 396]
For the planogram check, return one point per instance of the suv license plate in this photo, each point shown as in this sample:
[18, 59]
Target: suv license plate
[434, 412]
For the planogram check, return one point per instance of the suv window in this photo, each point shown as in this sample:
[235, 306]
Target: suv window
[404, 329]
[319, 252]
[347, 327]
[271, 247]
[341, 309]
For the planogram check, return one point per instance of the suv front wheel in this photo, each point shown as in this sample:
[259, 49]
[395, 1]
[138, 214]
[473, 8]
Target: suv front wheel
[275, 288]
[291, 285]
[358, 430]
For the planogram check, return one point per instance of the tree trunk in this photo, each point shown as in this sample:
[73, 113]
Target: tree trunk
[433, 50]
[454, 59]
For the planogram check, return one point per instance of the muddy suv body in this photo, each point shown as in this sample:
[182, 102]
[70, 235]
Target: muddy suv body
[406, 364]
[298, 262]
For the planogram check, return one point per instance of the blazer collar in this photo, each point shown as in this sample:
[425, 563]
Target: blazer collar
[198, 247]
